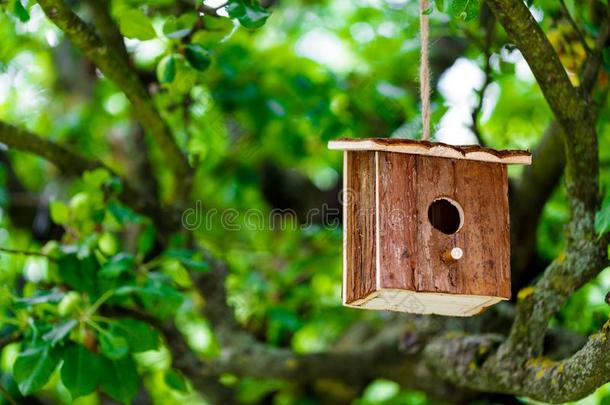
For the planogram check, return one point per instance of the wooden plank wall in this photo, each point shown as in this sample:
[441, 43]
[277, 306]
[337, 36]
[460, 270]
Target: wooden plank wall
[359, 211]
[411, 249]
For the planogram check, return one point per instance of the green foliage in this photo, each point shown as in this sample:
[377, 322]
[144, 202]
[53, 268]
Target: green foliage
[246, 97]
[602, 219]
[60, 213]
[21, 12]
[120, 378]
[80, 371]
[249, 13]
[166, 69]
[464, 9]
[135, 24]
[176, 381]
[34, 366]
[139, 336]
[197, 56]
[59, 332]
[176, 28]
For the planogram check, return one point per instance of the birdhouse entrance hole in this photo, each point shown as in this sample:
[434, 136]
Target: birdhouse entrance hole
[446, 215]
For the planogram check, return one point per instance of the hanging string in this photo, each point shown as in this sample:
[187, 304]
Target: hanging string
[424, 68]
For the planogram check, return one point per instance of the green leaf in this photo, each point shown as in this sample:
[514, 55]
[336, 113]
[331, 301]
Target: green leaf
[69, 303]
[108, 244]
[606, 58]
[122, 213]
[120, 379]
[166, 69]
[80, 372]
[40, 297]
[135, 24]
[60, 213]
[33, 368]
[176, 28]
[464, 9]
[139, 336]
[96, 178]
[602, 218]
[59, 332]
[249, 14]
[113, 346]
[80, 274]
[188, 258]
[21, 12]
[440, 5]
[198, 56]
[146, 239]
[156, 293]
[117, 265]
[428, 11]
[175, 381]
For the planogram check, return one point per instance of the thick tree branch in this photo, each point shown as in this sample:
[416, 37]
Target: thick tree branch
[65, 159]
[568, 105]
[539, 180]
[113, 65]
[465, 360]
[528, 198]
[108, 30]
[584, 253]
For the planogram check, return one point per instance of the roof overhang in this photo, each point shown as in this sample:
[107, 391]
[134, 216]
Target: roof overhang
[437, 149]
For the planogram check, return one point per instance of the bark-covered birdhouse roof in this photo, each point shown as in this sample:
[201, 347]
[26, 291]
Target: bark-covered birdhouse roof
[438, 149]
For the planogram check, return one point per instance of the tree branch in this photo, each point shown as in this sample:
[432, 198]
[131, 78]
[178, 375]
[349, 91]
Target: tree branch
[108, 30]
[465, 360]
[569, 107]
[65, 159]
[539, 180]
[72, 163]
[585, 254]
[113, 65]
[413, 351]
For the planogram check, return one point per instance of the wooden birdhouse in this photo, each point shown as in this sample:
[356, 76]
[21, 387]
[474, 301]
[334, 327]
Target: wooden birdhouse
[425, 225]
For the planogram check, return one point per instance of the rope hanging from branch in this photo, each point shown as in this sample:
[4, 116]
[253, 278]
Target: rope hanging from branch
[424, 68]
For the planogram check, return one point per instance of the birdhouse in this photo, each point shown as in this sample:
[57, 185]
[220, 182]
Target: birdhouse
[425, 225]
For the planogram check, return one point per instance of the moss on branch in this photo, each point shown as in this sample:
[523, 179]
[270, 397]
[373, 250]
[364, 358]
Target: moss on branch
[584, 253]
[462, 360]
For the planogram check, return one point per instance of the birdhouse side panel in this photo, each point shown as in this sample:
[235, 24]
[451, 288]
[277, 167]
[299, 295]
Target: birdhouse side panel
[359, 261]
[414, 256]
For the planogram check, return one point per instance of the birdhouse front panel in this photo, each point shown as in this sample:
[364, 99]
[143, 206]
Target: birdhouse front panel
[424, 232]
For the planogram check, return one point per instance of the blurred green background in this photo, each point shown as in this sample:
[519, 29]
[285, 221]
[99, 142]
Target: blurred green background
[255, 124]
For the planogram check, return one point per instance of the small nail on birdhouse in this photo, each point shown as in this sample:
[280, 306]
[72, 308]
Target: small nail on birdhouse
[425, 225]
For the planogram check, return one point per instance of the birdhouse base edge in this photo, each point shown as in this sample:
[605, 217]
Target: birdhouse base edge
[425, 303]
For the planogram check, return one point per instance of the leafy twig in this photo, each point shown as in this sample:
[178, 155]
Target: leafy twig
[26, 253]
